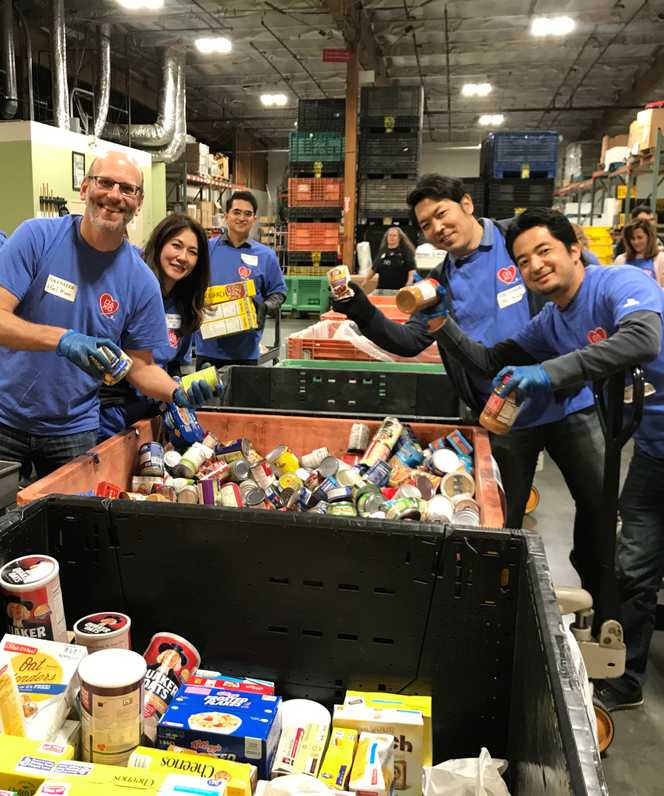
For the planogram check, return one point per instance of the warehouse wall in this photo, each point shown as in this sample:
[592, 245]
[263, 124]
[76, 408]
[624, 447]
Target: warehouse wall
[277, 162]
[449, 162]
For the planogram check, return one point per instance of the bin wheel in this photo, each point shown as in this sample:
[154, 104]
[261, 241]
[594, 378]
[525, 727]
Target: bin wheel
[533, 500]
[605, 726]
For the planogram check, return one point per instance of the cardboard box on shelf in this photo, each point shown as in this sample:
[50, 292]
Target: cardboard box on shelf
[643, 130]
[610, 141]
[197, 157]
[206, 210]
[192, 212]
[223, 164]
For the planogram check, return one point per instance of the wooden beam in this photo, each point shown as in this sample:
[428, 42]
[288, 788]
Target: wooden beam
[354, 23]
[350, 160]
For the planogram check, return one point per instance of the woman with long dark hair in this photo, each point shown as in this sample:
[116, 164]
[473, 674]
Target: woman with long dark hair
[177, 254]
[642, 250]
[395, 260]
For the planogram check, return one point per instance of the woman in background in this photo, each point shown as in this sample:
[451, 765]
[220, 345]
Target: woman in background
[395, 261]
[177, 253]
[641, 249]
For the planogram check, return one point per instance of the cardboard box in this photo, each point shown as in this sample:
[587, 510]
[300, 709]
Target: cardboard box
[610, 141]
[206, 210]
[246, 685]
[217, 294]
[230, 317]
[338, 759]
[197, 157]
[25, 764]
[242, 727]
[643, 130]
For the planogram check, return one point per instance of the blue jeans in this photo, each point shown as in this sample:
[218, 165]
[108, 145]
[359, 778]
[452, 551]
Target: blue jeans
[45, 453]
[640, 562]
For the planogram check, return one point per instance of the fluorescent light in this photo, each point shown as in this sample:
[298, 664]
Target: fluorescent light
[491, 120]
[214, 44]
[272, 100]
[137, 5]
[476, 89]
[552, 26]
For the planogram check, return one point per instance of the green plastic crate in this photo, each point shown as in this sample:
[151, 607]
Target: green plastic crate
[315, 146]
[307, 294]
[348, 364]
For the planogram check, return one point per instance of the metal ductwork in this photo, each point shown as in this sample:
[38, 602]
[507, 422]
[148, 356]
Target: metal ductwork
[9, 98]
[175, 149]
[161, 132]
[103, 91]
[59, 65]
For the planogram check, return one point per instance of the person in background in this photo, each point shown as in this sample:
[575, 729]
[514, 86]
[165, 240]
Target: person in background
[395, 262]
[641, 249]
[588, 258]
[235, 257]
[636, 213]
[68, 287]
[177, 254]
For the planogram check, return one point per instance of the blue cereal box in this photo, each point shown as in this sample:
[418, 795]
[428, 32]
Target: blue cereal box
[235, 726]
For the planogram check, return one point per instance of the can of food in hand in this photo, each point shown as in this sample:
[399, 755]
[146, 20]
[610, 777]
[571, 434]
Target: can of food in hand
[151, 459]
[120, 366]
[231, 495]
[313, 459]
[188, 494]
[457, 484]
[404, 509]
[208, 375]
[338, 279]
[342, 509]
[31, 590]
[171, 661]
[101, 631]
[112, 691]
[359, 438]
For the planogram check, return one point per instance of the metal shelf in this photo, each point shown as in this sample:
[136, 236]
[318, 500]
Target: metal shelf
[177, 180]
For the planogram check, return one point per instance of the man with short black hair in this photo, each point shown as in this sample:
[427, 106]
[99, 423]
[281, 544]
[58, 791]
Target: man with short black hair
[234, 257]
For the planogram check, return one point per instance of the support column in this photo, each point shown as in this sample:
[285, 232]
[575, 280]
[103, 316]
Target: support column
[350, 160]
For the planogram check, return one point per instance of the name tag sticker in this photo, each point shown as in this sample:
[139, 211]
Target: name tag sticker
[249, 259]
[512, 295]
[61, 288]
[173, 321]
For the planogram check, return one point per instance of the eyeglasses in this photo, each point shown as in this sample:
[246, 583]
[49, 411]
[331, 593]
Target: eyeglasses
[107, 184]
[239, 213]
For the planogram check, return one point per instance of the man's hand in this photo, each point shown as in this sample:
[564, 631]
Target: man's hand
[83, 350]
[436, 311]
[524, 380]
[181, 399]
[200, 392]
[269, 307]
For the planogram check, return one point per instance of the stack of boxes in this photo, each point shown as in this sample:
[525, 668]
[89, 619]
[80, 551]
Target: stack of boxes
[315, 187]
[389, 154]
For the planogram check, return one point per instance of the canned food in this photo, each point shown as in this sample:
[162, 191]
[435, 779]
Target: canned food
[220, 470]
[370, 502]
[208, 375]
[171, 460]
[351, 459]
[329, 466]
[379, 473]
[383, 442]
[239, 470]
[404, 509]
[313, 459]
[103, 631]
[438, 444]
[342, 509]
[241, 448]
[286, 461]
[165, 491]
[314, 481]
[338, 279]
[209, 492]
[290, 481]
[151, 459]
[145, 483]
[350, 476]
[388, 492]
[460, 444]
[120, 365]
[324, 488]
[262, 474]
[466, 514]
[302, 474]
[425, 486]
[230, 495]
[457, 484]
[340, 493]
[466, 463]
[444, 461]
[210, 441]
[306, 498]
[359, 438]
[188, 494]
[273, 496]
[320, 508]
[252, 494]
[408, 491]
[400, 474]
[408, 435]
[410, 454]
[440, 509]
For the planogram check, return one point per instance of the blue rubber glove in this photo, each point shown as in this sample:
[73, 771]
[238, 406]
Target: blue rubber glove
[181, 399]
[524, 380]
[200, 392]
[83, 350]
[437, 310]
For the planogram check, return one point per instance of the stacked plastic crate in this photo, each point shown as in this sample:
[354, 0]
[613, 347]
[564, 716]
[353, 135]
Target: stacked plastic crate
[315, 187]
[389, 154]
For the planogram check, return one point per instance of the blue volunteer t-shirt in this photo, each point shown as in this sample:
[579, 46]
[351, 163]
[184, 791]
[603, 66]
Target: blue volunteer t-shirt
[3, 238]
[251, 260]
[606, 296]
[60, 280]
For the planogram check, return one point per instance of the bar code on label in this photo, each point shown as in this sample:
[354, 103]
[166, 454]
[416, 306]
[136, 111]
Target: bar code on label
[252, 748]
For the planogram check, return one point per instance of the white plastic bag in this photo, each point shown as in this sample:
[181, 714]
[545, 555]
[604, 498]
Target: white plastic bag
[469, 776]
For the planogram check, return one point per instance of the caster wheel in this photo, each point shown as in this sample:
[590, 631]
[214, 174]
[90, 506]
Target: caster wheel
[533, 500]
[605, 726]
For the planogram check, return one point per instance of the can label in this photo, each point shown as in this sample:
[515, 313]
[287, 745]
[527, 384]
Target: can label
[151, 459]
[379, 473]
[31, 590]
[383, 442]
[460, 444]
[111, 725]
[263, 475]
[231, 496]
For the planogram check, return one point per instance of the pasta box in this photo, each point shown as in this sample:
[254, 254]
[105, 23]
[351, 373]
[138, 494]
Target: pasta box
[213, 721]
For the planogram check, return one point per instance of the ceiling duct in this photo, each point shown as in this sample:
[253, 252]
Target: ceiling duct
[161, 132]
[9, 98]
[59, 65]
[103, 91]
[175, 149]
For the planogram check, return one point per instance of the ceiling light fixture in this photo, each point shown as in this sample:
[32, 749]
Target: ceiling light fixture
[138, 5]
[491, 119]
[214, 44]
[274, 100]
[476, 89]
[552, 26]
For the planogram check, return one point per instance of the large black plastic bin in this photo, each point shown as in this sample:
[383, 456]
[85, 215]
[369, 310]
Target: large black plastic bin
[466, 615]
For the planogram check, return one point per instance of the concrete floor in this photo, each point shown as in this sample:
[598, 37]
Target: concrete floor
[631, 764]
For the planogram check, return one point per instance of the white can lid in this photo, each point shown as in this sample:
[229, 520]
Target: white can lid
[299, 712]
[23, 573]
[112, 668]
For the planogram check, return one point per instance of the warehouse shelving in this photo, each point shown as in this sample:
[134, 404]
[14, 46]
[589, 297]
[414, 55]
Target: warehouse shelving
[178, 180]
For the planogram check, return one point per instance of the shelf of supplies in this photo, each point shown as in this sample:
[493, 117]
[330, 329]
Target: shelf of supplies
[213, 182]
[638, 164]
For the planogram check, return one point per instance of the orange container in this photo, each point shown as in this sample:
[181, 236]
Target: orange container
[116, 457]
[317, 236]
[386, 304]
[315, 192]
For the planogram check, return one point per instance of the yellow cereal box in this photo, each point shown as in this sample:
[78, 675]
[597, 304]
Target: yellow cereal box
[230, 317]
[25, 764]
[338, 759]
[240, 778]
[217, 294]
[379, 699]
[373, 769]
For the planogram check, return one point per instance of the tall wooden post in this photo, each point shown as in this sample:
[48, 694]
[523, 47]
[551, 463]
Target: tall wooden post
[350, 164]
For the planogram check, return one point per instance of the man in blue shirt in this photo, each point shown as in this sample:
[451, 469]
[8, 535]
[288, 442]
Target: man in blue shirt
[235, 257]
[599, 321]
[67, 287]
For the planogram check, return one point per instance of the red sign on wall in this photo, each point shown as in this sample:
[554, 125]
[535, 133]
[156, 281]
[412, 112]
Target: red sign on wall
[332, 56]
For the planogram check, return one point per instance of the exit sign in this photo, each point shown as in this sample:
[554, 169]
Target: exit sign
[332, 56]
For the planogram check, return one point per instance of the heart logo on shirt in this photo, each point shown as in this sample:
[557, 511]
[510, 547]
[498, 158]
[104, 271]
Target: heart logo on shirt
[507, 275]
[597, 335]
[108, 305]
[243, 271]
[172, 339]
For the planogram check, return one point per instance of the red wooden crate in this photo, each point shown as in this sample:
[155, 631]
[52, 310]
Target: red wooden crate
[315, 192]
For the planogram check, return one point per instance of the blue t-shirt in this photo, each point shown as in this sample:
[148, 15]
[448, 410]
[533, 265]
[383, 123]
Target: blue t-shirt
[606, 296]
[251, 260]
[3, 238]
[60, 280]
[591, 258]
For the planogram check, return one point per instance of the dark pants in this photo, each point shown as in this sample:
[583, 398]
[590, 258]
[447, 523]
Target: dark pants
[45, 453]
[576, 445]
[202, 362]
[640, 562]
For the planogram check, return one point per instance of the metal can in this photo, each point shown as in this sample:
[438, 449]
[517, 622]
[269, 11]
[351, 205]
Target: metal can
[290, 481]
[302, 473]
[220, 470]
[320, 508]
[379, 473]
[408, 491]
[460, 444]
[210, 441]
[306, 499]
[407, 435]
[340, 493]
[383, 442]
[101, 631]
[410, 454]
[208, 375]
[370, 502]
[209, 492]
[314, 481]
[239, 470]
[273, 496]
[438, 444]
[342, 509]
[151, 459]
[440, 509]
[241, 448]
[466, 463]
[400, 474]
[466, 512]
[457, 484]
[120, 366]
[231, 496]
[329, 466]
[144, 483]
[444, 461]
[350, 476]
[313, 459]
[262, 474]
[359, 438]
[324, 488]
[351, 459]
[188, 494]
[165, 491]
[283, 459]
[30, 587]
[252, 494]
[404, 509]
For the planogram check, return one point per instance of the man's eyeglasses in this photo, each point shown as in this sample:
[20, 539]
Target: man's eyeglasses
[107, 184]
[239, 213]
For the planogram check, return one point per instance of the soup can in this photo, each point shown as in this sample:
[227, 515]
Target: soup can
[313, 459]
[30, 586]
[151, 459]
[106, 630]
[231, 496]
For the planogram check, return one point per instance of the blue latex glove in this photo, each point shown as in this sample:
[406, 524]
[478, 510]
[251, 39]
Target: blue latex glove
[83, 350]
[437, 310]
[525, 381]
[181, 398]
[200, 392]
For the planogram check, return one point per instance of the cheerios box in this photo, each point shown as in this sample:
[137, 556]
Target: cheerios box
[25, 764]
[236, 726]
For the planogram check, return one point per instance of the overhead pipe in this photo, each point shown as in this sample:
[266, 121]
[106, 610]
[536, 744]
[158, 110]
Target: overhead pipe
[175, 149]
[103, 90]
[161, 132]
[9, 98]
[30, 102]
[59, 65]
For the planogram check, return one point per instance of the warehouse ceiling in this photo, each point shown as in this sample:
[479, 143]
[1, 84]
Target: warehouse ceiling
[581, 85]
